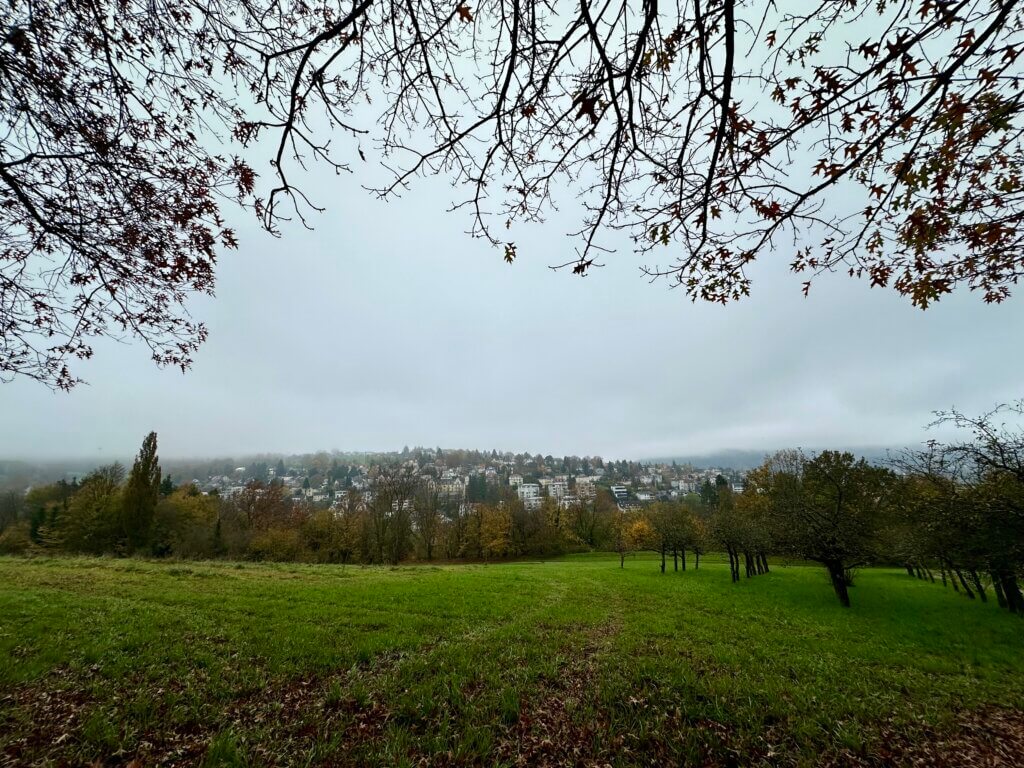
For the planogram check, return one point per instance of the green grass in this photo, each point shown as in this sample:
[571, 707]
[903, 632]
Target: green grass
[224, 664]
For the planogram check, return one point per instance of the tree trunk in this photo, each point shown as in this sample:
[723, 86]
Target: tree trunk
[663, 558]
[696, 560]
[675, 560]
[622, 559]
[942, 570]
[910, 570]
[1014, 599]
[682, 557]
[837, 574]
[978, 586]
[997, 587]
[963, 583]
[952, 576]
[931, 576]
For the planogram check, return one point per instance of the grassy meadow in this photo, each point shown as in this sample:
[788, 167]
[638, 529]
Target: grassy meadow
[566, 662]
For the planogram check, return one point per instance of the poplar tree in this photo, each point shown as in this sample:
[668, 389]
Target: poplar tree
[141, 493]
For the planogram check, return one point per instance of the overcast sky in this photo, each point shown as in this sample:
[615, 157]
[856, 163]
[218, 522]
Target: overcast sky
[388, 326]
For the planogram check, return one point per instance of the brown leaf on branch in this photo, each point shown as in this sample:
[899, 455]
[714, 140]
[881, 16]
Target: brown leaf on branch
[587, 107]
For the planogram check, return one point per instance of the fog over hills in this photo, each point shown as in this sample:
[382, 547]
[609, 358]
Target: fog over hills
[748, 459]
[21, 473]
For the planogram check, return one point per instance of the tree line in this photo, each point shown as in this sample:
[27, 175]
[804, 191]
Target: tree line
[954, 509]
[950, 512]
[402, 517]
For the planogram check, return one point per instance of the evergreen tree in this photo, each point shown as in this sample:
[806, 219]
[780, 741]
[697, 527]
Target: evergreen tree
[167, 486]
[708, 494]
[219, 547]
[140, 495]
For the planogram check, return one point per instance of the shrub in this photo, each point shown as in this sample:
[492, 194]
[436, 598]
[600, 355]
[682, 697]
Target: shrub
[15, 539]
[277, 544]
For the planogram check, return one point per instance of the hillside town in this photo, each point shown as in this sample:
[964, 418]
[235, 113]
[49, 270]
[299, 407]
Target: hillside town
[473, 477]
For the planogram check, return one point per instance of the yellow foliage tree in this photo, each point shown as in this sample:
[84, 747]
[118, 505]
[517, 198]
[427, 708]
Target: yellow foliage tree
[495, 531]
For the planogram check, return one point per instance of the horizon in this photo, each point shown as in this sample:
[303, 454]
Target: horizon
[867, 451]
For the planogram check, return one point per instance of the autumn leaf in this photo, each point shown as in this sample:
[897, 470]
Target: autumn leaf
[588, 107]
[510, 252]
[464, 13]
[869, 50]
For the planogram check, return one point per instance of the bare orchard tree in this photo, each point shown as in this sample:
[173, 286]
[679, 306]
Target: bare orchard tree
[991, 454]
[994, 441]
[394, 489]
[427, 519]
[882, 139]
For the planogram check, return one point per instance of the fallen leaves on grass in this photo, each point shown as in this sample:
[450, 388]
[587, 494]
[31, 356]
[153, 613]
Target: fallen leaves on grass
[988, 738]
[563, 725]
[550, 731]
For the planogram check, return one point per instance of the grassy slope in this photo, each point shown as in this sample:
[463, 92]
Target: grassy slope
[491, 663]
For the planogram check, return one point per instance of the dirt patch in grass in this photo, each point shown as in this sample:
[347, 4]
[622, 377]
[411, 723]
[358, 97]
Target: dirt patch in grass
[984, 738]
[566, 726]
[551, 730]
[561, 724]
[48, 716]
[987, 738]
[58, 721]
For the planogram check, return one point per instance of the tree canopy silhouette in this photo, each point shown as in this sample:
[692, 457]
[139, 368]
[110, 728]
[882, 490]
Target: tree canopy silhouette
[876, 138]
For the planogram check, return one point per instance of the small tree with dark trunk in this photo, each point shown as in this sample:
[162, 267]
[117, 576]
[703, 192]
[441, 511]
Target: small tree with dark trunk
[826, 509]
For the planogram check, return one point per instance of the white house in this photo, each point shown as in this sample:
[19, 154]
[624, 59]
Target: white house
[585, 488]
[529, 494]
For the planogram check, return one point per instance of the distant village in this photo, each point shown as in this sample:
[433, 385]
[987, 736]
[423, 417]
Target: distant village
[471, 476]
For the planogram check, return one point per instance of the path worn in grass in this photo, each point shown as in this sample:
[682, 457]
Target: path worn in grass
[574, 662]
